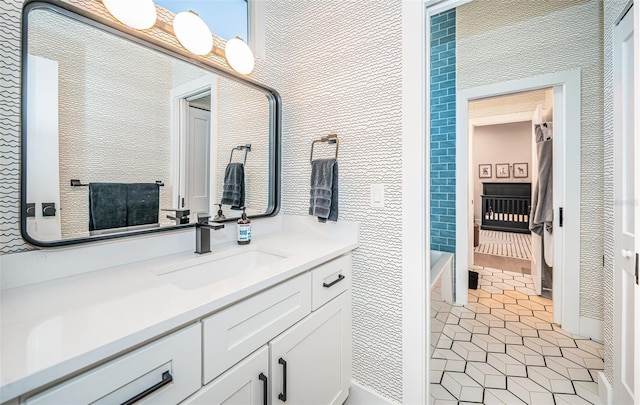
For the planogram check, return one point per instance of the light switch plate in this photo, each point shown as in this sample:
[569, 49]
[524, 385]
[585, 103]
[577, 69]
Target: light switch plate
[377, 195]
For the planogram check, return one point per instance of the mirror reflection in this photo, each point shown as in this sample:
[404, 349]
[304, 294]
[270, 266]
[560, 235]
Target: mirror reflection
[120, 137]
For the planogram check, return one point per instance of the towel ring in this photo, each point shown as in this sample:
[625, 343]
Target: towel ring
[246, 148]
[331, 138]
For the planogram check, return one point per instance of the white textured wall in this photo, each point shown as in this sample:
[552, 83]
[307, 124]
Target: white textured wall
[504, 40]
[332, 63]
[106, 121]
[502, 143]
[337, 65]
[244, 118]
[612, 10]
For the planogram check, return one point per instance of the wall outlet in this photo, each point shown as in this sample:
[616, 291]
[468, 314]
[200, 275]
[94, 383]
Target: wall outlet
[377, 195]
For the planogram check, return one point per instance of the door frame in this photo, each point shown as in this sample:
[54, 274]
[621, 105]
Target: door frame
[567, 86]
[179, 109]
[618, 303]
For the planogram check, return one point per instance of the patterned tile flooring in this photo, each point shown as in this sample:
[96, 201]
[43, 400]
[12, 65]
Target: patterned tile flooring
[502, 348]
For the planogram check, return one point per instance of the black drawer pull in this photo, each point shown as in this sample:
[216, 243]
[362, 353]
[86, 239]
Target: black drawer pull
[166, 379]
[337, 280]
[266, 384]
[283, 396]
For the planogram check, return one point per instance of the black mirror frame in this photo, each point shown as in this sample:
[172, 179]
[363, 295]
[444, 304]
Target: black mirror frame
[78, 14]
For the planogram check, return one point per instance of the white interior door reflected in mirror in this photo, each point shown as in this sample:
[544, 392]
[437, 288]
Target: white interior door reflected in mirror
[121, 127]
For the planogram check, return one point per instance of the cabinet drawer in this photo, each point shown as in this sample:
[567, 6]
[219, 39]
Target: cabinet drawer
[329, 280]
[235, 332]
[176, 356]
[245, 383]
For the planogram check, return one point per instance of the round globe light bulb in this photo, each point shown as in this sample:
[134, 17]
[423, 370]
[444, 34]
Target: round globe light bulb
[193, 33]
[138, 14]
[239, 56]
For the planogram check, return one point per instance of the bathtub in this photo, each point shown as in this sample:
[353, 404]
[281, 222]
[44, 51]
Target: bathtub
[441, 293]
[442, 269]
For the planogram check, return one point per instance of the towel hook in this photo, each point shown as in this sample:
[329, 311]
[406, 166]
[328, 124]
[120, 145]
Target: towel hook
[331, 138]
[246, 148]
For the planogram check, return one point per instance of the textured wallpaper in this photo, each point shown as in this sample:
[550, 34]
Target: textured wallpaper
[244, 118]
[505, 40]
[337, 65]
[10, 239]
[612, 10]
[349, 84]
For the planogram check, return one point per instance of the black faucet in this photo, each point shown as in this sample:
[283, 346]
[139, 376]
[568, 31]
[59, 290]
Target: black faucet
[203, 233]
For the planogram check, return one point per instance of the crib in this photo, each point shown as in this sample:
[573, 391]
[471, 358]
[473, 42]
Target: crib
[506, 207]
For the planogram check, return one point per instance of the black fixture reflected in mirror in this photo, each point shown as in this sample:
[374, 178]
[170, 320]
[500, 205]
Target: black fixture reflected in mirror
[122, 108]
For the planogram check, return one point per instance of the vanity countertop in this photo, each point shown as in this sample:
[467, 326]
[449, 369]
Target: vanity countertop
[54, 328]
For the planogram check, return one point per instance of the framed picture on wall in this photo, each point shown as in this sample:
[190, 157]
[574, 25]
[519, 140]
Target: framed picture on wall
[484, 171]
[520, 170]
[502, 170]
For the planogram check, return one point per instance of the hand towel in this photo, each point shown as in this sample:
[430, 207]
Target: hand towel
[323, 202]
[107, 205]
[233, 188]
[541, 217]
[143, 203]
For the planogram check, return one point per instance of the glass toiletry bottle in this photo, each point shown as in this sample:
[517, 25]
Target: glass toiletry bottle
[244, 229]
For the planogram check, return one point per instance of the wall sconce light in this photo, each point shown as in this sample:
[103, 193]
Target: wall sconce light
[239, 56]
[192, 32]
[138, 14]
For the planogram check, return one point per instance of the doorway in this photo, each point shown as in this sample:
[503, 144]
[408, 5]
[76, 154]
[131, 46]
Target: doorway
[197, 194]
[194, 133]
[509, 136]
[566, 187]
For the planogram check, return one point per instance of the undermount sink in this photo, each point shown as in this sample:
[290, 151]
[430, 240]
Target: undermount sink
[202, 271]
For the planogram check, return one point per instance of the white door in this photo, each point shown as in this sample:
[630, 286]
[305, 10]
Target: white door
[42, 149]
[198, 173]
[625, 212]
[246, 383]
[310, 363]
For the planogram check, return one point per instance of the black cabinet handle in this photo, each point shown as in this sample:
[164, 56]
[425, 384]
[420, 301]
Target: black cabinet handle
[266, 384]
[337, 280]
[283, 396]
[166, 379]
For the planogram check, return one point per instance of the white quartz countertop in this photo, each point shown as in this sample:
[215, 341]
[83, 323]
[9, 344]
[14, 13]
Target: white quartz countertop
[54, 328]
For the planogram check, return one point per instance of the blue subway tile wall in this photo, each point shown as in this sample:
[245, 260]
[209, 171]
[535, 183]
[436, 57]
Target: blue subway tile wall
[443, 131]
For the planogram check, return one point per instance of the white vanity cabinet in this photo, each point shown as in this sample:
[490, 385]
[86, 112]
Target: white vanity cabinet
[288, 344]
[165, 371]
[246, 383]
[310, 363]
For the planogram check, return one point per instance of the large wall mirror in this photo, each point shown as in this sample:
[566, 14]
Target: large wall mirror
[121, 136]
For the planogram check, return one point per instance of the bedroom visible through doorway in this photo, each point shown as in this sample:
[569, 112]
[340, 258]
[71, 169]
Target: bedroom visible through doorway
[509, 136]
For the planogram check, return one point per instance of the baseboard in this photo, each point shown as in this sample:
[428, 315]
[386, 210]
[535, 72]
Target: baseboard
[591, 328]
[361, 395]
[605, 390]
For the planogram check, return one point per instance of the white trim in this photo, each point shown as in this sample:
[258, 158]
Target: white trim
[178, 108]
[415, 207]
[568, 305]
[592, 328]
[361, 395]
[255, 27]
[605, 390]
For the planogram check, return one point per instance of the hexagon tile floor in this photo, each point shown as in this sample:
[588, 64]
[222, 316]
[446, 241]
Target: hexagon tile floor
[502, 348]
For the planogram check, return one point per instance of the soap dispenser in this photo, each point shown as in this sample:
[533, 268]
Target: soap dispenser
[219, 216]
[244, 229]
